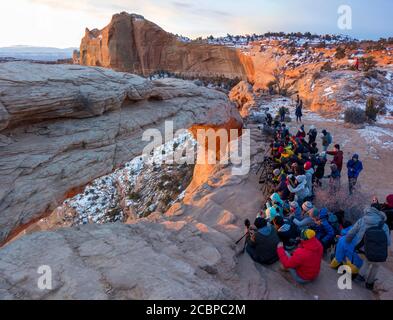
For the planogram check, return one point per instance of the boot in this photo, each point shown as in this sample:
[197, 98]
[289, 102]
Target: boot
[334, 264]
[359, 279]
[370, 286]
[354, 269]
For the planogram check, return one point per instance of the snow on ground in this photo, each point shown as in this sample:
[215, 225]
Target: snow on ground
[274, 105]
[379, 136]
[99, 203]
[328, 92]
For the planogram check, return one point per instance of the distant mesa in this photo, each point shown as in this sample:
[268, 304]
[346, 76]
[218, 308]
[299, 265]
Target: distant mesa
[130, 43]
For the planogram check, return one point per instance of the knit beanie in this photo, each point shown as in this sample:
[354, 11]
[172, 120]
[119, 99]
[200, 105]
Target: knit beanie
[307, 234]
[307, 206]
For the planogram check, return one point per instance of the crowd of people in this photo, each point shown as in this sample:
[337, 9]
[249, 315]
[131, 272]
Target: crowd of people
[291, 229]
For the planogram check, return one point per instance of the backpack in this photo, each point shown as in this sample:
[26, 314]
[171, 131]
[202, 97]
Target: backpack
[376, 244]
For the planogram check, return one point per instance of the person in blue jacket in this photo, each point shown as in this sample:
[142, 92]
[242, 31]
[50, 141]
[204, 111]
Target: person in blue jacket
[355, 166]
[324, 231]
[346, 253]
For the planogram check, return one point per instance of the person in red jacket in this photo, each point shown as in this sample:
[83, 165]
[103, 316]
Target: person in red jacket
[305, 262]
[338, 157]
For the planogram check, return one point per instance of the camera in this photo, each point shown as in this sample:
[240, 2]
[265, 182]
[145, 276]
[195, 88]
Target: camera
[247, 223]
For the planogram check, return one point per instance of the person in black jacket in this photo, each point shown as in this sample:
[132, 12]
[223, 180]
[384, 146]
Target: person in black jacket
[282, 188]
[320, 171]
[262, 242]
[287, 232]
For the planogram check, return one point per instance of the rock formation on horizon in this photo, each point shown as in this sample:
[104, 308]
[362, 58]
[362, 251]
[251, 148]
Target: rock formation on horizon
[130, 43]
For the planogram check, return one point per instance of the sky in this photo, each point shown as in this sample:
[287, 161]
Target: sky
[61, 23]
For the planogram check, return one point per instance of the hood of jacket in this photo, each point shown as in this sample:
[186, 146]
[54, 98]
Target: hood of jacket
[275, 197]
[265, 230]
[310, 171]
[285, 227]
[301, 179]
[373, 216]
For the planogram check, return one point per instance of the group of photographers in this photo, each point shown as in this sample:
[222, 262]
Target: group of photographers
[290, 229]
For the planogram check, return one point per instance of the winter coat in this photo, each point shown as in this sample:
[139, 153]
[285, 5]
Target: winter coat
[265, 242]
[346, 251]
[300, 134]
[277, 203]
[327, 139]
[354, 168]
[282, 188]
[320, 171]
[309, 176]
[312, 135]
[297, 214]
[298, 111]
[306, 259]
[372, 218]
[288, 233]
[335, 174]
[304, 223]
[324, 231]
[337, 159]
[301, 191]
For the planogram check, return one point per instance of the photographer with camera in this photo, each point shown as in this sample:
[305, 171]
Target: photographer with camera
[262, 241]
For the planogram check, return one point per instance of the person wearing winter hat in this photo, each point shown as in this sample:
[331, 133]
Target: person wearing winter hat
[306, 220]
[301, 191]
[295, 211]
[271, 213]
[307, 206]
[277, 203]
[276, 176]
[309, 175]
[312, 135]
[324, 231]
[354, 167]
[345, 253]
[262, 241]
[287, 232]
[304, 264]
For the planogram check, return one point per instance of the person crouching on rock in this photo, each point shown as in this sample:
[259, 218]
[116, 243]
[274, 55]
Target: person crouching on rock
[304, 264]
[262, 242]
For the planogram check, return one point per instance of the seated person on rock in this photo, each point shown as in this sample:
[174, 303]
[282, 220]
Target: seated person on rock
[345, 253]
[287, 232]
[304, 263]
[262, 242]
[276, 202]
[324, 231]
[305, 221]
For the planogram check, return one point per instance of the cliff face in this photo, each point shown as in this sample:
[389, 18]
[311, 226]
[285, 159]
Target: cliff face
[133, 44]
[61, 126]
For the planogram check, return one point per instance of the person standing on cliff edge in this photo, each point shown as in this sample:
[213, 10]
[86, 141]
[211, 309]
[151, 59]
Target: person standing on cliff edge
[298, 111]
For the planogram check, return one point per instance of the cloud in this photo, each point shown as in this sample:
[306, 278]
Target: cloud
[197, 10]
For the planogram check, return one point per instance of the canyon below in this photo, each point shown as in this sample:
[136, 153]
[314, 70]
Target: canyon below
[79, 194]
